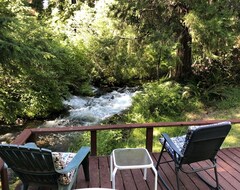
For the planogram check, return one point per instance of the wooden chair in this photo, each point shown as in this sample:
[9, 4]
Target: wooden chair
[199, 144]
[42, 167]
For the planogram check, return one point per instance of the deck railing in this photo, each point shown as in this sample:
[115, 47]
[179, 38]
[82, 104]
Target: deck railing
[29, 135]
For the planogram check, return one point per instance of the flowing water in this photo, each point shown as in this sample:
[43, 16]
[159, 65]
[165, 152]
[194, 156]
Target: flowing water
[82, 111]
[85, 111]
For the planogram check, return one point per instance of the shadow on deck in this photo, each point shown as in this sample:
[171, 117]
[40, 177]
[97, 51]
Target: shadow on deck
[228, 160]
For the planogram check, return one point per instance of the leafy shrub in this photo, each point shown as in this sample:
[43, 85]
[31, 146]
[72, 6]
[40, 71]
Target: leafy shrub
[231, 101]
[107, 141]
[160, 101]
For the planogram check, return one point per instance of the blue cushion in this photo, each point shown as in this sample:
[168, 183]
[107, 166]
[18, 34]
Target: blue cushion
[178, 141]
[60, 160]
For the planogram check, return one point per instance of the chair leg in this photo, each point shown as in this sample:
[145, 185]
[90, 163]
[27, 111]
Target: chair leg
[160, 156]
[216, 174]
[85, 164]
[158, 162]
[177, 177]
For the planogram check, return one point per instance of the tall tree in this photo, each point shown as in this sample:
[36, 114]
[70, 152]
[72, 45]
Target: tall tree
[192, 25]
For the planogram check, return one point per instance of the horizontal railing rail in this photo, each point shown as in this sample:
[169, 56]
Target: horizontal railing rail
[29, 135]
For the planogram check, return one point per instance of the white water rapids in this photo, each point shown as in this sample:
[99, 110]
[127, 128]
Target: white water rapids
[82, 111]
[92, 110]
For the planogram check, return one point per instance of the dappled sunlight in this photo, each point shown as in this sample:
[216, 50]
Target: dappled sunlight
[137, 138]
[230, 140]
[192, 116]
[195, 115]
[233, 138]
[157, 133]
[227, 114]
[237, 115]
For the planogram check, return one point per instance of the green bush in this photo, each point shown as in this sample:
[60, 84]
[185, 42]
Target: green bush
[112, 138]
[161, 101]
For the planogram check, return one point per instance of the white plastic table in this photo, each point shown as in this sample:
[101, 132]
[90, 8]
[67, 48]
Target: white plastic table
[131, 158]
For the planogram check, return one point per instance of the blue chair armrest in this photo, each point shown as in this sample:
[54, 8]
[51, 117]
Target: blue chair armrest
[76, 161]
[171, 144]
[30, 145]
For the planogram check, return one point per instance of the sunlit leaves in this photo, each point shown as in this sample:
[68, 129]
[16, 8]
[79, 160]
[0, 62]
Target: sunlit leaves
[37, 69]
[160, 101]
[211, 33]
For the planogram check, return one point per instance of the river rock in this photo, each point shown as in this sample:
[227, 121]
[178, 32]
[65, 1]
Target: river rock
[7, 138]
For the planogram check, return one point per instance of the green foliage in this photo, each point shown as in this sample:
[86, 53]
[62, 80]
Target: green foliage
[214, 33]
[37, 69]
[161, 101]
[231, 99]
[46, 54]
[112, 138]
[114, 60]
[203, 31]
[118, 55]
[127, 41]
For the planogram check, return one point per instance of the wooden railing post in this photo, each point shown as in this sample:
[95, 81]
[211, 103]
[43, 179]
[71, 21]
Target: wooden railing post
[94, 143]
[4, 178]
[149, 139]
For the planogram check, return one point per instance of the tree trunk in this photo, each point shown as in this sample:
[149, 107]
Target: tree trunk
[183, 70]
[158, 64]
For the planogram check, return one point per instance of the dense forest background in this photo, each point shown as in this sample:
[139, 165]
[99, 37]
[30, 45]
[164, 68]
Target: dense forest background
[182, 52]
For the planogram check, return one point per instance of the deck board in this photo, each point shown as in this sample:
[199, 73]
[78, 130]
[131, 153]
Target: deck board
[228, 172]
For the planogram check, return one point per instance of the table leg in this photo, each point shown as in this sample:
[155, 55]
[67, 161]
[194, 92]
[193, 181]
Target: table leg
[113, 177]
[145, 174]
[156, 176]
[111, 166]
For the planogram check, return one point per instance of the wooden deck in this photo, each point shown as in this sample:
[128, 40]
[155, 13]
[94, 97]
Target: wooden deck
[228, 172]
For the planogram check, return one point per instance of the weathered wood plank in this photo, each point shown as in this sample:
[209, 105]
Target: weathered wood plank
[230, 167]
[81, 182]
[104, 172]
[119, 181]
[141, 184]
[128, 180]
[166, 172]
[94, 172]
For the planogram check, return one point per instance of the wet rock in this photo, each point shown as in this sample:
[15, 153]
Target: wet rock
[7, 138]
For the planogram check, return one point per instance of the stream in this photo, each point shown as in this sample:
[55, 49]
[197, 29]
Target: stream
[81, 111]
[86, 111]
